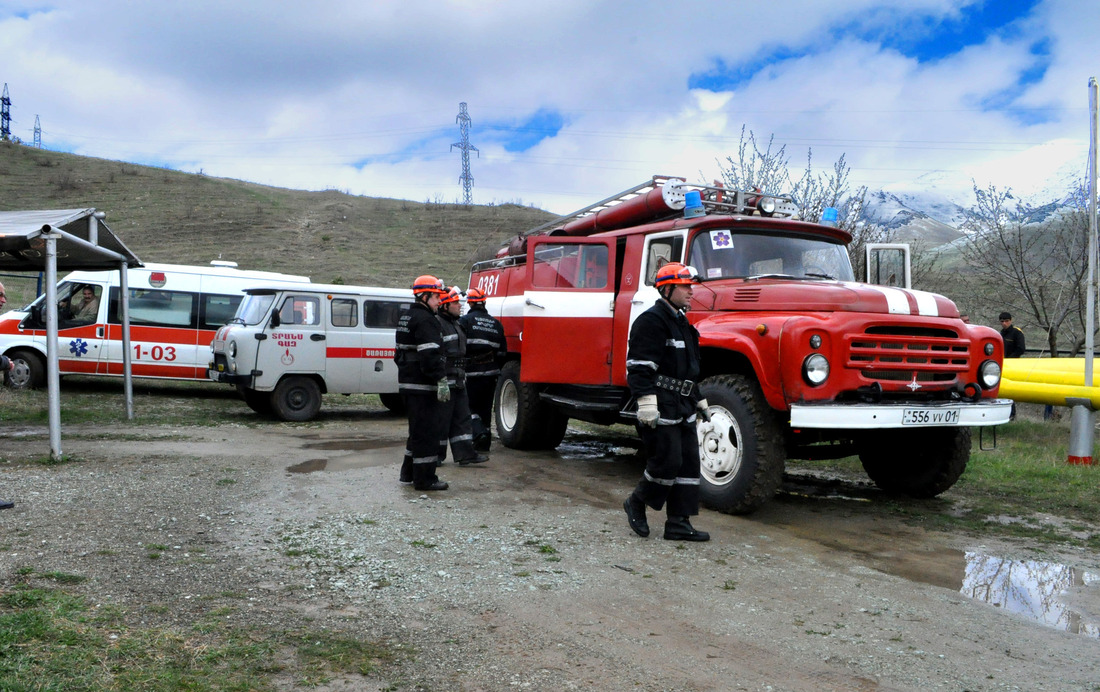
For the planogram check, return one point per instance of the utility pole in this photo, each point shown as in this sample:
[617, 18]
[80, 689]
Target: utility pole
[5, 115]
[37, 133]
[1081, 422]
[465, 147]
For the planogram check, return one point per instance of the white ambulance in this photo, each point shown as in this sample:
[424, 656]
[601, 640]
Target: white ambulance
[174, 312]
[289, 344]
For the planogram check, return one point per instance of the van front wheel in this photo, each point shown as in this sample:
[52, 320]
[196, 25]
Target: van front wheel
[296, 398]
[29, 371]
[260, 402]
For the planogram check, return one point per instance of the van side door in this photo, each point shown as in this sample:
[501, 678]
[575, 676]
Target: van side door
[298, 343]
[380, 342]
[344, 346]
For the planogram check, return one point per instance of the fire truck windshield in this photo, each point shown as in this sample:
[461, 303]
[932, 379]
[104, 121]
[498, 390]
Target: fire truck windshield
[724, 254]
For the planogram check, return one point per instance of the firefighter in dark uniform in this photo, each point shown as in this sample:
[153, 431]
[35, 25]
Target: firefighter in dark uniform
[486, 349]
[662, 365]
[459, 432]
[422, 379]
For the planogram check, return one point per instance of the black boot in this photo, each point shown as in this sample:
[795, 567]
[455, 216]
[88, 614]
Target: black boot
[482, 442]
[434, 485]
[680, 529]
[635, 515]
[477, 459]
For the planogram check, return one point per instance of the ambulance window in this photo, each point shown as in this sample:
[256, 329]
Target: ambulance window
[301, 310]
[383, 314]
[345, 312]
[157, 308]
[218, 310]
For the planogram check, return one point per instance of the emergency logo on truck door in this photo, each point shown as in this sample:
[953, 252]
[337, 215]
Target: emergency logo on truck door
[287, 358]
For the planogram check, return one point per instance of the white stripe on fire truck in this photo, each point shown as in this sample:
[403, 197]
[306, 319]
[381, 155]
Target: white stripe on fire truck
[568, 304]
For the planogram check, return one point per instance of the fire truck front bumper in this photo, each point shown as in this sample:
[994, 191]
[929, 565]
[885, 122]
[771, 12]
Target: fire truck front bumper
[857, 416]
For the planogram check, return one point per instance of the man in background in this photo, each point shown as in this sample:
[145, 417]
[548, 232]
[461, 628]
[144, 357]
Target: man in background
[1013, 337]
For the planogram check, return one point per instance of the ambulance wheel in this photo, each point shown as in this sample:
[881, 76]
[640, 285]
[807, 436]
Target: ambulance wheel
[741, 452]
[524, 421]
[394, 402]
[260, 402]
[29, 371]
[296, 398]
[918, 463]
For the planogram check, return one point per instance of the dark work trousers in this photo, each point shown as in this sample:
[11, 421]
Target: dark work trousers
[427, 426]
[482, 389]
[671, 470]
[457, 428]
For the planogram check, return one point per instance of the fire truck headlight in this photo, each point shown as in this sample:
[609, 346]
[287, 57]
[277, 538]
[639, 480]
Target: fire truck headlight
[766, 206]
[990, 374]
[815, 369]
[232, 349]
[988, 349]
[815, 341]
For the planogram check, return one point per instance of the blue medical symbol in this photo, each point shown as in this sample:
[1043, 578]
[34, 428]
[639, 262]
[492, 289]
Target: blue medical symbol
[78, 347]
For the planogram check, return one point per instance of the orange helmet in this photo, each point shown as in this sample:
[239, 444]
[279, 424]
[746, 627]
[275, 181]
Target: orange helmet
[451, 295]
[675, 273]
[475, 295]
[428, 284]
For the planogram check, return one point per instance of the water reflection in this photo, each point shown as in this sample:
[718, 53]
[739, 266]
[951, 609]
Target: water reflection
[1030, 588]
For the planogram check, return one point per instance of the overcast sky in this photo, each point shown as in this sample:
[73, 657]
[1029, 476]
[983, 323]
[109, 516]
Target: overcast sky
[570, 101]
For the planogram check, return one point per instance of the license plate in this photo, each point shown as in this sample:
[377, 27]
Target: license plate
[935, 416]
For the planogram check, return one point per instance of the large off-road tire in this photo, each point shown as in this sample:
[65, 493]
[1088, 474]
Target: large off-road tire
[741, 450]
[260, 402]
[29, 372]
[296, 398]
[918, 463]
[524, 421]
[394, 402]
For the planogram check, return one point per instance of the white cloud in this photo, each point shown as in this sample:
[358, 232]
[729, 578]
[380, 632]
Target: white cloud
[363, 96]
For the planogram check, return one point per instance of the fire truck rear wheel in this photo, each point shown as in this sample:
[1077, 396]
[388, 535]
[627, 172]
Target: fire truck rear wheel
[741, 449]
[296, 398]
[260, 402]
[394, 403]
[524, 421]
[29, 371]
[918, 463]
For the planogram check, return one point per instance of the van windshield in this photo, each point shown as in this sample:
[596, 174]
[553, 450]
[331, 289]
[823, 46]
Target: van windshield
[723, 254]
[254, 308]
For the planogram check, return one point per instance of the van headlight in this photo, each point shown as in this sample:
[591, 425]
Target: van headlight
[815, 369]
[990, 374]
[232, 349]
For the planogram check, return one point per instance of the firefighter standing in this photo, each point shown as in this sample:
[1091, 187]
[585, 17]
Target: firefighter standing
[422, 378]
[456, 411]
[662, 364]
[486, 347]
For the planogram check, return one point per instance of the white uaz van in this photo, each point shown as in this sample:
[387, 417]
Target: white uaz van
[289, 344]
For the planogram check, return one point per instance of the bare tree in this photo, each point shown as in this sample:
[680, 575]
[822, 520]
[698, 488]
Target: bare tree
[1029, 261]
[768, 169]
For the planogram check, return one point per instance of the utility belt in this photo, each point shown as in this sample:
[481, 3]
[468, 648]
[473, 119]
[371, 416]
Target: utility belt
[482, 358]
[457, 362]
[672, 384]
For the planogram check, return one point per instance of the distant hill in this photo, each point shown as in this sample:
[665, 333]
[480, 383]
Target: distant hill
[185, 218]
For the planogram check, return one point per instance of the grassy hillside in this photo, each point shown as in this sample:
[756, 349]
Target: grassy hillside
[184, 218]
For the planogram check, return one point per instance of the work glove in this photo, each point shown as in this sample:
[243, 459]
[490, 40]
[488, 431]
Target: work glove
[443, 390]
[703, 412]
[647, 410]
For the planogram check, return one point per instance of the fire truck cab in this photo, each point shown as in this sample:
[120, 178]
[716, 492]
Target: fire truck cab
[289, 344]
[799, 360]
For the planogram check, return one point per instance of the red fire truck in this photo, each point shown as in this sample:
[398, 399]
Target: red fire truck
[799, 360]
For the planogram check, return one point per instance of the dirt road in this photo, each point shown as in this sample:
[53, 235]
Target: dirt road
[524, 574]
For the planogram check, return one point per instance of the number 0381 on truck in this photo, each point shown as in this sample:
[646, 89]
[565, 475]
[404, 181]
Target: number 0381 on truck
[799, 360]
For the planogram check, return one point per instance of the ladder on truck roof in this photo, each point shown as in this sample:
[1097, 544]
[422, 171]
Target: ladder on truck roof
[716, 199]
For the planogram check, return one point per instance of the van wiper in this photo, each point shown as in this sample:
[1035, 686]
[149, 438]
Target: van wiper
[821, 276]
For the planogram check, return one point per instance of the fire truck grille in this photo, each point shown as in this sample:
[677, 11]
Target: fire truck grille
[893, 354]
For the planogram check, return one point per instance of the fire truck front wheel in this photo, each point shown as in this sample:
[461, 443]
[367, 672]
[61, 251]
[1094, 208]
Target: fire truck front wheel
[29, 371]
[918, 463]
[524, 421]
[296, 398]
[741, 449]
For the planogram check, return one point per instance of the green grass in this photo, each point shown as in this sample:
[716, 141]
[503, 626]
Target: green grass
[51, 639]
